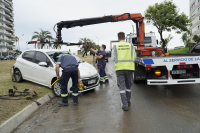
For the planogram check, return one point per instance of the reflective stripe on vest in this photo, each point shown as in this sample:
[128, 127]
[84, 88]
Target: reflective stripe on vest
[124, 56]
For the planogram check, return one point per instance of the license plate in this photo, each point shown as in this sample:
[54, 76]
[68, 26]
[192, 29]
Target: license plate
[179, 72]
[188, 75]
[92, 81]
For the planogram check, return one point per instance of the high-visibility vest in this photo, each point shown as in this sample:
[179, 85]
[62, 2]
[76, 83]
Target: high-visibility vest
[124, 56]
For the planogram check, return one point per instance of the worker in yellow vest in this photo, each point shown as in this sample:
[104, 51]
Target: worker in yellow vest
[124, 57]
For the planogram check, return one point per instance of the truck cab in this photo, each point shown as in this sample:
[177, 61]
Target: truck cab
[149, 39]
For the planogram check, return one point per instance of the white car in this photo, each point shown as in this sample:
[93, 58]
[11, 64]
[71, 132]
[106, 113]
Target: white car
[38, 66]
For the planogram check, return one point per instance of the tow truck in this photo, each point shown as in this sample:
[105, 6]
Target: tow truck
[152, 63]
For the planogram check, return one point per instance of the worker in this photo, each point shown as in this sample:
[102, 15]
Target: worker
[101, 54]
[123, 54]
[70, 70]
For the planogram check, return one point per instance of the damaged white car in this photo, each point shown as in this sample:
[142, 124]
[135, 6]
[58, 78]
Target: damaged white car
[38, 66]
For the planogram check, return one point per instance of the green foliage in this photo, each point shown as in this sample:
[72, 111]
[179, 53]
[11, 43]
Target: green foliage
[186, 38]
[56, 46]
[196, 38]
[179, 51]
[88, 43]
[165, 16]
[16, 40]
[167, 40]
[42, 36]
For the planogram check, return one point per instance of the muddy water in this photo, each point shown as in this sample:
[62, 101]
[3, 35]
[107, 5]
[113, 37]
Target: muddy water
[154, 109]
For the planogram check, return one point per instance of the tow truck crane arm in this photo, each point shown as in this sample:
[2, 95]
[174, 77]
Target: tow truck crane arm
[135, 17]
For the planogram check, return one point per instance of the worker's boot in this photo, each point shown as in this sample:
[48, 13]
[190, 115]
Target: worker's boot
[125, 108]
[75, 103]
[101, 82]
[107, 81]
[63, 104]
[129, 103]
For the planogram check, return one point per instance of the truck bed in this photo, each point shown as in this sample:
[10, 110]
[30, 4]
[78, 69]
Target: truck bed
[172, 59]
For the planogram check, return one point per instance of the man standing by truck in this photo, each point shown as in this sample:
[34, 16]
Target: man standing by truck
[101, 54]
[124, 58]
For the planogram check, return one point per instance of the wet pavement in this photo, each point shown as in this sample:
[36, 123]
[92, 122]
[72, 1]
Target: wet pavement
[154, 109]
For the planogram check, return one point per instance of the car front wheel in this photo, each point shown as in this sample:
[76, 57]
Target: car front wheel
[18, 76]
[56, 89]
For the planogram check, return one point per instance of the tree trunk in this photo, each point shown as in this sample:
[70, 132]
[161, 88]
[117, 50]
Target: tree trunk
[84, 54]
[161, 37]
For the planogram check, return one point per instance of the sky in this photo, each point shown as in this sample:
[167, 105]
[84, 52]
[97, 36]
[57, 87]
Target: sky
[33, 15]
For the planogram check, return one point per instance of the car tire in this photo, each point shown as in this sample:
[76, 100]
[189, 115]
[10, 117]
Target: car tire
[18, 76]
[56, 89]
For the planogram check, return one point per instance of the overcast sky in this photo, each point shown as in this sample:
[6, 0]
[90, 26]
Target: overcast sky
[31, 15]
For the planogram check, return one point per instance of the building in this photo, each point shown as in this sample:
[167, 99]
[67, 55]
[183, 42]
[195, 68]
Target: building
[6, 27]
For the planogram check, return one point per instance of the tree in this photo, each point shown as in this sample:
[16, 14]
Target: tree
[165, 16]
[16, 40]
[167, 40]
[42, 36]
[56, 46]
[186, 38]
[196, 38]
[88, 43]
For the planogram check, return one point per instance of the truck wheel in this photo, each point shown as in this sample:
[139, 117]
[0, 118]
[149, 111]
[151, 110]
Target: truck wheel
[56, 89]
[18, 76]
[135, 81]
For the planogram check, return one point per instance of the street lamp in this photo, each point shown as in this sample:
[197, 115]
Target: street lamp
[98, 40]
[132, 26]
[18, 41]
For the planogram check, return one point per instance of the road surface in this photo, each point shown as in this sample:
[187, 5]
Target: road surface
[154, 109]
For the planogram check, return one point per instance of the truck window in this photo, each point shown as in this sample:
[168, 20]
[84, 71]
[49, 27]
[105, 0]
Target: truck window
[196, 49]
[146, 40]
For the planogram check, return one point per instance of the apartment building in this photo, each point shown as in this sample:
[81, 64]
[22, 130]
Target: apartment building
[195, 16]
[6, 27]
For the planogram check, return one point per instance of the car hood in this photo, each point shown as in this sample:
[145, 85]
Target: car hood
[87, 70]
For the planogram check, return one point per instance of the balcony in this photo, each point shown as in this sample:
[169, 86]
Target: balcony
[1, 7]
[7, 34]
[7, 16]
[7, 28]
[10, 2]
[7, 22]
[6, 40]
[5, 3]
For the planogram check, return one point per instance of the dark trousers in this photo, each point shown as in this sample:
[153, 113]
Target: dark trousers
[68, 73]
[102, 73]
[124, 82]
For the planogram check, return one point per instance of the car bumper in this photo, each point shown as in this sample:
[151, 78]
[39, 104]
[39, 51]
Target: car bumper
[89, 86]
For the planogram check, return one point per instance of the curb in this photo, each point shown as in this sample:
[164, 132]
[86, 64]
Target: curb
[12, 123]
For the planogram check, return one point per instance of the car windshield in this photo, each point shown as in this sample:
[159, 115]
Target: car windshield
[55, 55]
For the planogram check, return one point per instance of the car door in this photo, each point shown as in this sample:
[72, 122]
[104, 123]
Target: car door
[26, 63]
[42, 74]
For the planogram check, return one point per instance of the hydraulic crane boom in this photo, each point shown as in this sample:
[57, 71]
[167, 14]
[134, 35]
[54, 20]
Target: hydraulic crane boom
[135, 17]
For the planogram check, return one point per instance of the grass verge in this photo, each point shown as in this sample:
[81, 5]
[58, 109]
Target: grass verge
[8, 108]
[88, 59]
[5, 66]
[179, 51]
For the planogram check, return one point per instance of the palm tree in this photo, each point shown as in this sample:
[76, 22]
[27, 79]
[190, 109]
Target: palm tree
[16, 40]
[87, 43]
[56, 46]
[42, 36]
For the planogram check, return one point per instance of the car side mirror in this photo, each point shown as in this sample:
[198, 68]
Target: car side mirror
[44, 64]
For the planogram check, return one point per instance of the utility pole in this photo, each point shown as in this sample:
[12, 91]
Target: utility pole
[18, 41]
